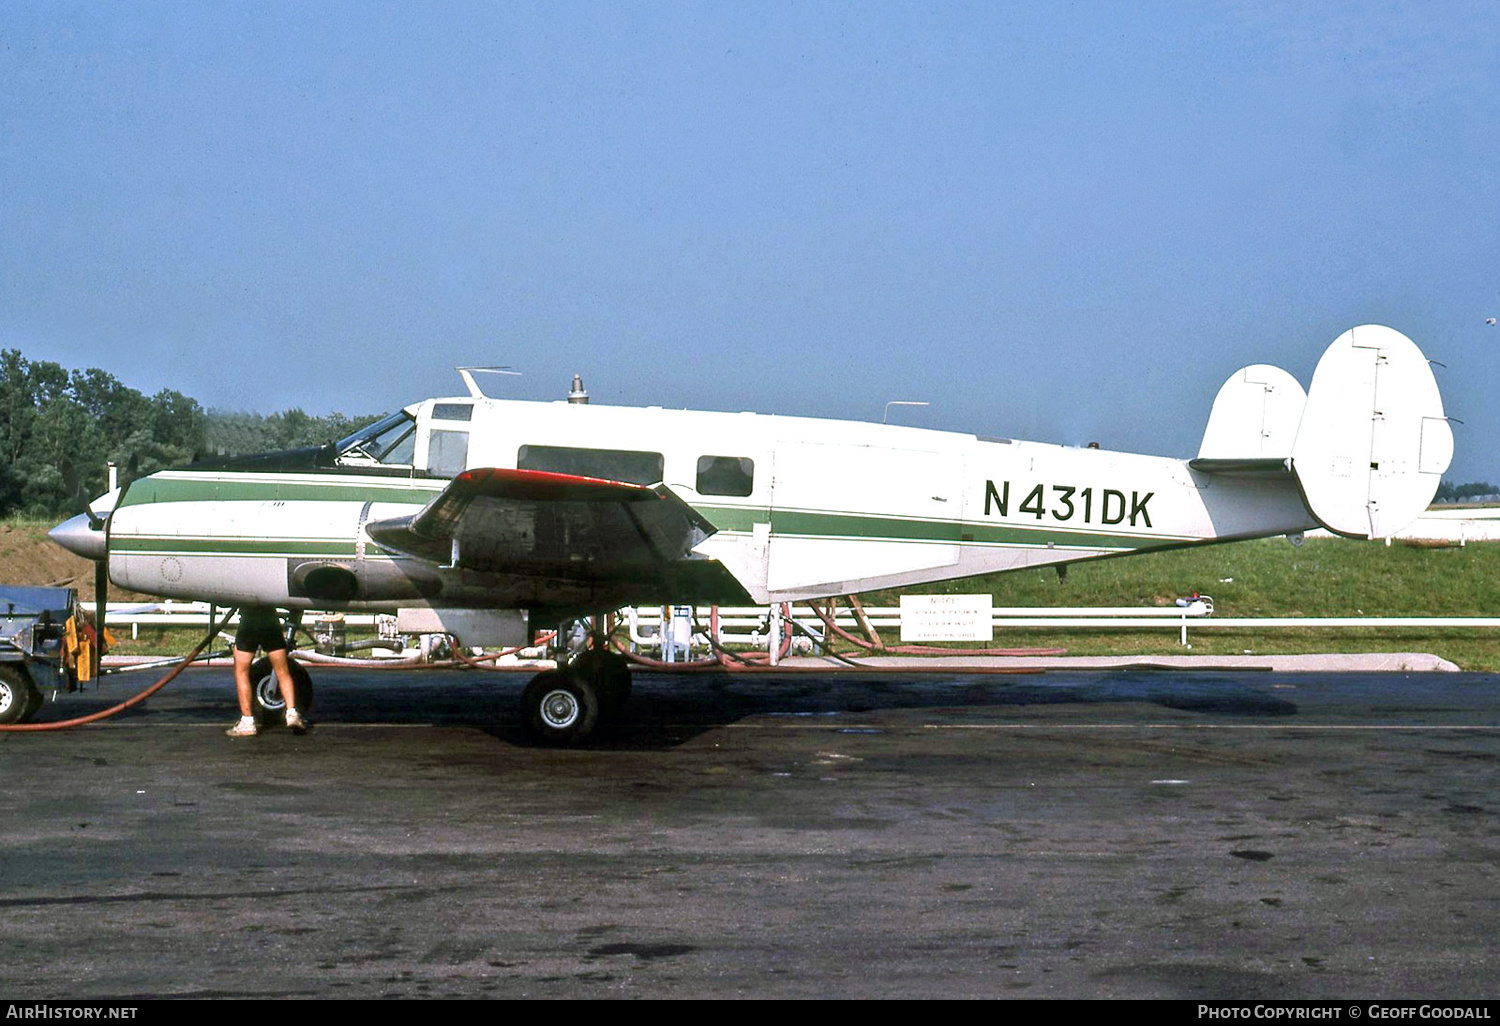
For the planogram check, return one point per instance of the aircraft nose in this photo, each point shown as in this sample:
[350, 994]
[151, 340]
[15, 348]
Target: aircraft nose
[80, 538]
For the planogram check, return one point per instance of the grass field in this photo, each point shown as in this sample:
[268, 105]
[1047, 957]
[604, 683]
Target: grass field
[1268, 577]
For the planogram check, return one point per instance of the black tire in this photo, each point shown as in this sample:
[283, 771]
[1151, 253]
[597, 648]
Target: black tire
[265, 691]
[19, 696]
[612, 681]
[609, 673]
[559, 708]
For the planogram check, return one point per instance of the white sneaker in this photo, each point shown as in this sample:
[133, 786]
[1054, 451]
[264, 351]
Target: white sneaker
[244, 728]
[295, 723]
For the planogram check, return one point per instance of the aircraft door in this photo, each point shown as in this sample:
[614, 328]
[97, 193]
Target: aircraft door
[849, 517]
[443, 430]
[447, 453]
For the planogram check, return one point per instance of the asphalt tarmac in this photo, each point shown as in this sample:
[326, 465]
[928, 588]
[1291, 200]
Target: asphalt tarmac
[1066, 834]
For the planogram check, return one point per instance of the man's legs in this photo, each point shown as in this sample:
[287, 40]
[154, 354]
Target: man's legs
[242, 681]
[246, 725]
[244, 689]
[284, 679]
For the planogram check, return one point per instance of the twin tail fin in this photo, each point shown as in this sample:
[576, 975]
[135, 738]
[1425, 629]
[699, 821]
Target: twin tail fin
[1368, 443]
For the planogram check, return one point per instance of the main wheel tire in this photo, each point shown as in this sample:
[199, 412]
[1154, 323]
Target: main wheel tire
[614, 683]
[609, 673]
[559, 708]
[265, 689]
[19, 696]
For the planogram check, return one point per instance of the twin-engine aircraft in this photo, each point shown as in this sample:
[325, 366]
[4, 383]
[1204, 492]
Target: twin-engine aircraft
[484, 517]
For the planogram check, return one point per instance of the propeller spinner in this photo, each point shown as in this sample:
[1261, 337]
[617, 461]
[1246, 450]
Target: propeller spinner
[87, 535]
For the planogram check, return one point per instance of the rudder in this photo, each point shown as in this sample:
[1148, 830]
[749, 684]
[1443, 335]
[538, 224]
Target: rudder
[1373, 442]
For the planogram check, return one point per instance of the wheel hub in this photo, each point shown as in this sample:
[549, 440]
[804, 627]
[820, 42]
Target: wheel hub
[268, 692]
[560, 709]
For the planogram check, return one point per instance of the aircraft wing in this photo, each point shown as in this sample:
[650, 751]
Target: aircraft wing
[537, 523]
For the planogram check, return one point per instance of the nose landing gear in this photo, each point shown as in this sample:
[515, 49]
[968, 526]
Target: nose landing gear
[270, 707]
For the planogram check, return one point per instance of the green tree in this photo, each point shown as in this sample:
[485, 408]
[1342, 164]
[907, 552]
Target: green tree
[1450, 492]
[237, 433]
[58, 426]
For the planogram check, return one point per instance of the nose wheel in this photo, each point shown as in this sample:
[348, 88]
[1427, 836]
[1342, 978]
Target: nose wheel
[270, 707]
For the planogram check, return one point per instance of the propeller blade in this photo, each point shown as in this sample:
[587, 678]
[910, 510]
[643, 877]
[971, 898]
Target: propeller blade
[101, 599]
[77, 494]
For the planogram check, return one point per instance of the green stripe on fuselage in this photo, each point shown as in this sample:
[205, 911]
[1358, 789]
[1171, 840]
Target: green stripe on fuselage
[234, 546]
[811, 524]
[786, 523]
[305, 487]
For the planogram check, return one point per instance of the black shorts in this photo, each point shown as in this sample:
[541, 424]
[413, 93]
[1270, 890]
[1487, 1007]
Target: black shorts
[259, 628]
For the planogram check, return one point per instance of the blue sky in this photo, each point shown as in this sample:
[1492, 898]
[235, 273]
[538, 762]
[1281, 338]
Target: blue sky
[1065, 223]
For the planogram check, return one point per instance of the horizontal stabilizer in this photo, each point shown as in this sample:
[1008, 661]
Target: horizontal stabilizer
[1272, 467]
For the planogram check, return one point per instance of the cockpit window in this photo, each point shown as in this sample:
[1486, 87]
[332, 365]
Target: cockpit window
[390, 442]
[452, 411]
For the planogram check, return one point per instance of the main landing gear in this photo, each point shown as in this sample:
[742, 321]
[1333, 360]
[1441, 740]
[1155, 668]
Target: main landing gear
[565, 705]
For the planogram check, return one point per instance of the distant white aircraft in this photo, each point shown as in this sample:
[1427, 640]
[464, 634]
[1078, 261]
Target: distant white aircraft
[485, 517]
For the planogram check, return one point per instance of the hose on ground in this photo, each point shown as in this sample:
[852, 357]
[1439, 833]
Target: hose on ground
[478, 662]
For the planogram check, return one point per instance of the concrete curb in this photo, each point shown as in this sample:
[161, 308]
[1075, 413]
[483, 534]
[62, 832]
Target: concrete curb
[1368, 662]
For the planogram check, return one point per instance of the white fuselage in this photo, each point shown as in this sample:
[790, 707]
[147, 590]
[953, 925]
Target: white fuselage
[801, 507]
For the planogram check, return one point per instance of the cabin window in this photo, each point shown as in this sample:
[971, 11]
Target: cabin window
[447, 453]
[608, 464]
[452, 411]
[725, 475]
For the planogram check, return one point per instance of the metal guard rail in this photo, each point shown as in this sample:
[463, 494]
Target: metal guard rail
[733, 620]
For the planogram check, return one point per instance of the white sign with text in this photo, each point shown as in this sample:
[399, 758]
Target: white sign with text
[947, 618]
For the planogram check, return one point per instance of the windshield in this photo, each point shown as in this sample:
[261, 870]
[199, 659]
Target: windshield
[390, 441]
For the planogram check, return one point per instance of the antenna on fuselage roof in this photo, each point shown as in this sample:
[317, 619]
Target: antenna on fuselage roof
[899, 402]
[467, 373]
[578, 395]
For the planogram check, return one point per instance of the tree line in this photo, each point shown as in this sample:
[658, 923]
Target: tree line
[1471, 492]
[60, 427]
